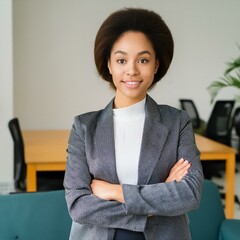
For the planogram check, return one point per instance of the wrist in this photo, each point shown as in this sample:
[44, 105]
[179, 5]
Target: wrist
[118, 193]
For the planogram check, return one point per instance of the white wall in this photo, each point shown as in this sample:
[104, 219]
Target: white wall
[54, 73]
[6, 91]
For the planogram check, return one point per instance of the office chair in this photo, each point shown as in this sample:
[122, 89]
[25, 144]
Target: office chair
[219, 126]
[208, 222]
[45, 180]
[198, 124]
[19, 162]
[236, 121]
[236, 125]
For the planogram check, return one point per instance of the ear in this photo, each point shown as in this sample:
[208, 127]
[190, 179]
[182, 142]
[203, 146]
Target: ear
[109, 67]
[156, 66]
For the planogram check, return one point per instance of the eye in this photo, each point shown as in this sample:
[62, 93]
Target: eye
[121, 61]
[143, 60]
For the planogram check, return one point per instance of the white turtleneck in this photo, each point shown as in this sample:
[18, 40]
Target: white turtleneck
[128, 130]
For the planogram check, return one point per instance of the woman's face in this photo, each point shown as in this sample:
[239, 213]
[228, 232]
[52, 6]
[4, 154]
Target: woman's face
[132, 65]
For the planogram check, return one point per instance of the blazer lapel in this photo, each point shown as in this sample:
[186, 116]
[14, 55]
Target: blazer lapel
[154, 137]
[105, 144]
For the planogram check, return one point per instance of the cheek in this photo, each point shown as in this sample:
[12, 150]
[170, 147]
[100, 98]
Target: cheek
[116, 73]
[148, 73]
[115, 78]
[149, 77]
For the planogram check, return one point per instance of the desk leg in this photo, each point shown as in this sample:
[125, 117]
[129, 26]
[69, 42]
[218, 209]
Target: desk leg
[230, 179]
[31, 178]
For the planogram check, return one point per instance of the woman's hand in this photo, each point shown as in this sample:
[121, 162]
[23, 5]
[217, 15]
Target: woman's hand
[178, 171]
[107, 191]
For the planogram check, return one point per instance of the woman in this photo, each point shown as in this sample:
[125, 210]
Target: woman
[133, 168]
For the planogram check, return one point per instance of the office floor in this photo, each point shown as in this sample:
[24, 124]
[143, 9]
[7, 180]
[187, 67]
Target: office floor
[221, 181]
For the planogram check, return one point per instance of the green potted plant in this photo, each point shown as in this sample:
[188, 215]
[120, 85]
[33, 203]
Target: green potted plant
[231, 78]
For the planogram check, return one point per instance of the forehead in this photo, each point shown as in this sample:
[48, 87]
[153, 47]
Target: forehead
[133, 41]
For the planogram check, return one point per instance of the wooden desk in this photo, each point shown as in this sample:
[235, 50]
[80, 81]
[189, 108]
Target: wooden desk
[46, 151]
[211, 150]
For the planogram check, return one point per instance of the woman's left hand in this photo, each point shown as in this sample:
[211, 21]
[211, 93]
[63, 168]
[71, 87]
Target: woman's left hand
[178, 171]
[107, 191]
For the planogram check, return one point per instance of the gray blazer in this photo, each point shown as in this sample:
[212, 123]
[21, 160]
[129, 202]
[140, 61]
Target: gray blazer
[167, 137]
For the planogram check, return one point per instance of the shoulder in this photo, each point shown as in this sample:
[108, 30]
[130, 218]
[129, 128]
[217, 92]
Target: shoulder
[163, 109]
[92, 118]
[169, 116]
[87, 119]
[174, 118]
[166, 109]
[169, 112]
[83, 123]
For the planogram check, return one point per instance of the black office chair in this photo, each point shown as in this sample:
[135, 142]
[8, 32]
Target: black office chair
[198, 124]
[45, 180]
[219, 126]
[236, 121]
[236, 125]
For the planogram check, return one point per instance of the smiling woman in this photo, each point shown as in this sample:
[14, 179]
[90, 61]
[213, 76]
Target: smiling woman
[133, 168]
[118, 23]
[132, 65]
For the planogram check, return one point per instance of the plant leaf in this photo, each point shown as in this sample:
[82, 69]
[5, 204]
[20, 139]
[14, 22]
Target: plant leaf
[235, 64]
[227, 81]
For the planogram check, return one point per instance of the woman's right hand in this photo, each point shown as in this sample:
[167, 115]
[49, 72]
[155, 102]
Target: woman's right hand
[178, 171]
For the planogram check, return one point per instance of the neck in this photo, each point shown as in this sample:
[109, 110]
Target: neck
[121, 102]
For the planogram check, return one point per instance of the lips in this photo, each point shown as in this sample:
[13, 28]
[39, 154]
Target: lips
[132, 84]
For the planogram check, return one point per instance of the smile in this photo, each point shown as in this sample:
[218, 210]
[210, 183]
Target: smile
[132, 84]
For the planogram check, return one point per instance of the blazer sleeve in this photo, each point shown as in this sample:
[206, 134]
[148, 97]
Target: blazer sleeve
[83, 206]
[174, 198]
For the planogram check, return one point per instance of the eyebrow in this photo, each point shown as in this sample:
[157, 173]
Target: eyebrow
[140, 53]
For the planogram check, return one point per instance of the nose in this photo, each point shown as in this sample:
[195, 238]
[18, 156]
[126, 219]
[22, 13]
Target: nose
[132, 69]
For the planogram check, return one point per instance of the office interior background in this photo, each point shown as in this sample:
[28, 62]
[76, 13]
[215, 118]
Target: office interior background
[47, 71]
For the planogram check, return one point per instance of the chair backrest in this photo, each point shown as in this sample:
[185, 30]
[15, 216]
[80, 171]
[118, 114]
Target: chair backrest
[205, 222]
[236, 121]
[189, 106]
[39, 215]
[19, 160]
[219, 124]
